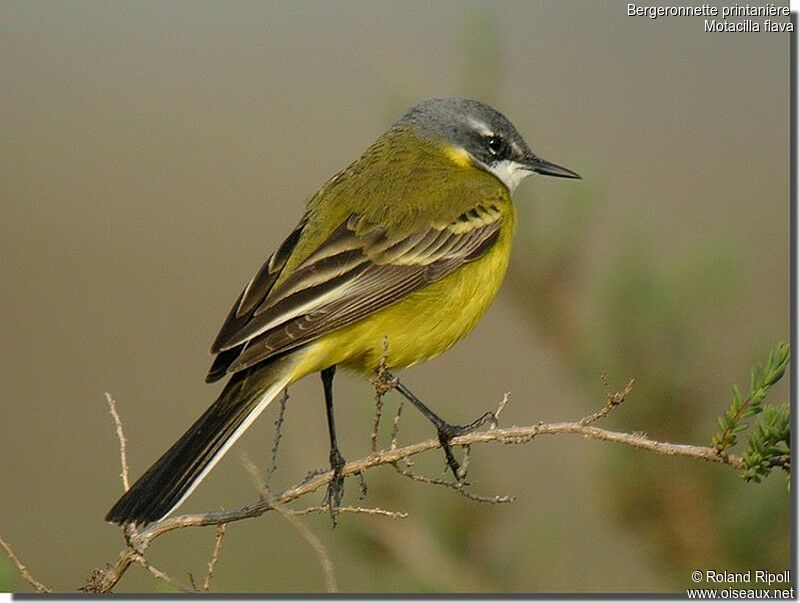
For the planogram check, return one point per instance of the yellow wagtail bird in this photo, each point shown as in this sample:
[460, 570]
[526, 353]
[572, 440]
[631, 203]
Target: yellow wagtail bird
[409, 244]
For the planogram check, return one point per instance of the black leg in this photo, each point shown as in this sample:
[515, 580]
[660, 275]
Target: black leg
[336, 486]
[444, 430]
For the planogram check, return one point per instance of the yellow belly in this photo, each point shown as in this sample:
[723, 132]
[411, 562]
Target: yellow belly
[420, 327]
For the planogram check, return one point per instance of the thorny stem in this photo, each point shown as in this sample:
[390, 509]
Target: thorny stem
[123, 442]
[273, 461]
[105, 580]
[612, 401]
[23, 571]
[212, 563]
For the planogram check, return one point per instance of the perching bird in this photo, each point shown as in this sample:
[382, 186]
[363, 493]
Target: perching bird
[409, 244]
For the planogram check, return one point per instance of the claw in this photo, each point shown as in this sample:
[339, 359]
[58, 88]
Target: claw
[363, 485]
[445, 435]
[446, 432]
[335, 492]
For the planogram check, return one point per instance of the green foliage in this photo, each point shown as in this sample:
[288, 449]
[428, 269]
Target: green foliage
[768, 442]
[5, 575]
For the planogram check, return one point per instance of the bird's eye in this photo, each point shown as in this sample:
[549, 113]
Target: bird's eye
[496, 145]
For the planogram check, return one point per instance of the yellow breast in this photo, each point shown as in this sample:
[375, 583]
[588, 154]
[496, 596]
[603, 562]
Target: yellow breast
[424, 324]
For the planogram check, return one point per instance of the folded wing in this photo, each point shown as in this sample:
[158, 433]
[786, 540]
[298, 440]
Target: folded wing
[356, 272]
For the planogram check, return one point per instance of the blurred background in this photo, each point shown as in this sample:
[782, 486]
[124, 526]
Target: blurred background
[155, 154]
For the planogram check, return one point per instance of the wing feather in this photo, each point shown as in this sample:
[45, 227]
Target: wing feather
[253, 294]
[356, 272]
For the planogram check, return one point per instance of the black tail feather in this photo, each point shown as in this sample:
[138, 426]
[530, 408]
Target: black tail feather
[163, 486]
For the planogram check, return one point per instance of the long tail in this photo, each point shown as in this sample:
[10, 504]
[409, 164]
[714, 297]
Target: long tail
[181, 468]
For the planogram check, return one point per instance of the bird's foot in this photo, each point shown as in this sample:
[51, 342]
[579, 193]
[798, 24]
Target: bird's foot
[446, 432]
[333, 497]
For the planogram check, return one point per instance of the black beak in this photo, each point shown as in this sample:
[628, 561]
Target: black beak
[540, 166]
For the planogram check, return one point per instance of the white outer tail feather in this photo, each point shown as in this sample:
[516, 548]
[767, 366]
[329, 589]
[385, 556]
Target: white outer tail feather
[267, 397]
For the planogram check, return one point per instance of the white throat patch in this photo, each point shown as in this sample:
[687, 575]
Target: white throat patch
[509, 173]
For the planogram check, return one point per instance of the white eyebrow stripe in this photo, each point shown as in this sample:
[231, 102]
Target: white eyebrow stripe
[479, 126]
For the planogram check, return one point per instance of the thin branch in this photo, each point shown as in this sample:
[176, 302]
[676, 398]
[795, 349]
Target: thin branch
[376, 423]
[23, 571]
[273, 461]
[159, 575]
[212, 563]
[457, 486]
[502, 404]
[396, 425]
[362, 510]
[319, 548]
[105, 580]
[123, 442]
[612, 401]
[382, 385]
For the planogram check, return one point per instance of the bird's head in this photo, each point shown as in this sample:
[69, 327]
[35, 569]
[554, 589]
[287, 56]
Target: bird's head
[472, 132]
